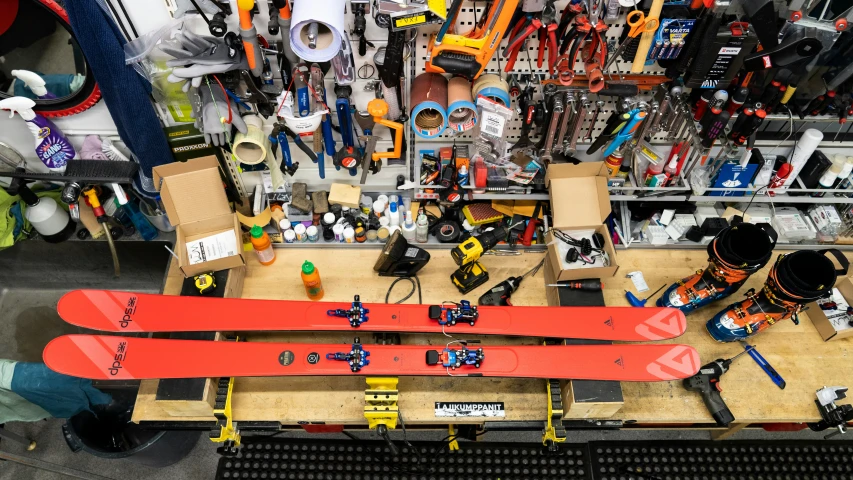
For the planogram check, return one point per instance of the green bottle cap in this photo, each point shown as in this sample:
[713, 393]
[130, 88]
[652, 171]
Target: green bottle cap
[257, 232]
[307, 268]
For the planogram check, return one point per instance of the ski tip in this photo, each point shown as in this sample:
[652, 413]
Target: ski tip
[663, 324]
[94, 357]
[679, 362]
[106, 310]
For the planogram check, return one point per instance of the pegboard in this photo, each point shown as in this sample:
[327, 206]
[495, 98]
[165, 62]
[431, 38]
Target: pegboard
[468, 15]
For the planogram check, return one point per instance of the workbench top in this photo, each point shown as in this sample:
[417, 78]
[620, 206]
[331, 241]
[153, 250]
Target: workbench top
[798, 353]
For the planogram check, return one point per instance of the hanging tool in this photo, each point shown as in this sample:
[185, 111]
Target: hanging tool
[639, 24]
[325, 130]
[636, 302]
[279, 137]
[90, 196]
[346, 156]
[528, 110]
[587, 36]
[499, 295]
[359, 26]
[626, 132]
[707, 383]
[377, 108]
[532, 224]
[251, 48]
[646, 39]
[768, 369]
[468, 54]
[615, 123]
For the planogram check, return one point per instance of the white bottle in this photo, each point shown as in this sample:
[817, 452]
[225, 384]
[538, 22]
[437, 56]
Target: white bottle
[409, 228]
[394, 214]
[806, 146]
[422, 229]
[47, 217]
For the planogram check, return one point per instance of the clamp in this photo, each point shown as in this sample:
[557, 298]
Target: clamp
[228, 434]
[554, 432]
[380, 406]
[356, 315]
[357, 357]
[449, 313]
[833, 415]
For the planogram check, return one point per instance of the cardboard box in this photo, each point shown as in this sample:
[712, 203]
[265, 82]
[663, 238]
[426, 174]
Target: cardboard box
[195, 202]
[579, 201]
[832, 324]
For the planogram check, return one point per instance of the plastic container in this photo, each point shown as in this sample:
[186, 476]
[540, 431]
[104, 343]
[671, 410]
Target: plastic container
[143, 226]
[349, 235]
[311, 280]
[262, 245]
[422, 229]
[45, 215]
[312, 233]
[159, 220]
[300, 231]
[338, 230]
[289, 236]
[409, 229]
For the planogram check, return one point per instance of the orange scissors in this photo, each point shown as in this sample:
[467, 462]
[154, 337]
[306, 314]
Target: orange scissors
[639, 24]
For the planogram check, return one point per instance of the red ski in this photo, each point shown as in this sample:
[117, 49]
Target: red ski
[104, 357]
[114, 311]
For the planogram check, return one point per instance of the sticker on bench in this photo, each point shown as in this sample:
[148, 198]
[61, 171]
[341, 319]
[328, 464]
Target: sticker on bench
[469, 409]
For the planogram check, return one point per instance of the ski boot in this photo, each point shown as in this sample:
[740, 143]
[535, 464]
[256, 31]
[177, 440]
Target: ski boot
[795, 280]
[734, 254]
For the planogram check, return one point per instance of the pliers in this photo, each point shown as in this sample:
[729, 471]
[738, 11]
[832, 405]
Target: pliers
[520, 32]
[587, 35]
[545, 23]
[548, 37]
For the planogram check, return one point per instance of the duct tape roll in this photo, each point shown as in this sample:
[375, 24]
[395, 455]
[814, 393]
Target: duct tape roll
[462, 113]
[251, 147]
[429, 105]
[316, 29]
[493, 87]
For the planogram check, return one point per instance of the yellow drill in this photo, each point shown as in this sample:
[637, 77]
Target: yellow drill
[470, 273]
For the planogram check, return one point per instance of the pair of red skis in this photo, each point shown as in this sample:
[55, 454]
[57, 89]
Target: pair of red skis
[108, 357]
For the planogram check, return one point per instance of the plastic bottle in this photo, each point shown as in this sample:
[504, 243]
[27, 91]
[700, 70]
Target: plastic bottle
[311, 280]
[349, 235]
[34, 82]
[52, 148]
[300, 231]
[378, 208]
[142, 225]
[462, 176]
[263, 246]
[409, 229]
[422, 229]
[613, 162]
[394, 214]
[47, 217]
[828, 178]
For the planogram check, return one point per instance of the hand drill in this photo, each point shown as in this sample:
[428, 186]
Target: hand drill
[707, 382]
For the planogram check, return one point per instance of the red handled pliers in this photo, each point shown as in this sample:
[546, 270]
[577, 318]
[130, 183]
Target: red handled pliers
[545, 23]
[548, 37]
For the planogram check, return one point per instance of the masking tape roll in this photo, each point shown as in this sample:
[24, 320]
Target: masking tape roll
[251, 147]
[494, 87]
[462, 113]
[429, 105]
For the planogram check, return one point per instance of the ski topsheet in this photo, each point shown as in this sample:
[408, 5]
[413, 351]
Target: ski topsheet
[115, 311]
[105, 357]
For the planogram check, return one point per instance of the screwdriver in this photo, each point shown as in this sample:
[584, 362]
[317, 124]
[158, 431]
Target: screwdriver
[588, 285]
[768, 369]
[636, 302]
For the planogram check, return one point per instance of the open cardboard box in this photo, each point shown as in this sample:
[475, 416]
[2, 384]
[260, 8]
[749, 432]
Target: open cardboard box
[195, 202]
[579, 201]
[835, 327]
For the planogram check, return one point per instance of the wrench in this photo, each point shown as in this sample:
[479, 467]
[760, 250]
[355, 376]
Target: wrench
[594, 119]
[552, 129]
[578, 125]
[564, 122]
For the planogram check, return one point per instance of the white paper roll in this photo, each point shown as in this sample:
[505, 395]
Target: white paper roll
[806, 146]
[329, 18]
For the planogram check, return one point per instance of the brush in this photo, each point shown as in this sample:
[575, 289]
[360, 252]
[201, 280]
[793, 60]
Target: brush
[86, 171]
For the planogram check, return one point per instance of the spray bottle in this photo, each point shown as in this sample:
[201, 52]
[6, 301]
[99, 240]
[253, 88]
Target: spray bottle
[35, 82]
[52, 148]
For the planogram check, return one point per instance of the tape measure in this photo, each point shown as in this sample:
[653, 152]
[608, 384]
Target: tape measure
[205, 283]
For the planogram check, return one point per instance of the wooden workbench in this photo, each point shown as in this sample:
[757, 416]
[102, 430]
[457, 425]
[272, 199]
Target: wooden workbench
[797, 352]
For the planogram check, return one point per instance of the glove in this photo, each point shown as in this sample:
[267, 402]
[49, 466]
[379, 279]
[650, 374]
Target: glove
[197, 56]
[210, 112]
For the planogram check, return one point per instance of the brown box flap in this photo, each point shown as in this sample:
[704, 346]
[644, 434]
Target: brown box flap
[579, 195]
[191, 190]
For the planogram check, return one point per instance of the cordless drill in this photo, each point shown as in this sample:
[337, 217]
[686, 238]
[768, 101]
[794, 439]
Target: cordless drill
[498, 296]
[470, 273]
[707, 382]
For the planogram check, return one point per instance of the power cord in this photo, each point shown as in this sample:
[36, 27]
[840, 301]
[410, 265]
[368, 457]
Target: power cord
[416, 285]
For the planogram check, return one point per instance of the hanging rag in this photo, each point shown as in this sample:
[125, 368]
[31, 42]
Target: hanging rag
[13, 225]
[125, 92]
[59, 395]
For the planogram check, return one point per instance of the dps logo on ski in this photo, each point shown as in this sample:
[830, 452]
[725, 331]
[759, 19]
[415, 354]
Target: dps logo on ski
[469, 409]
[121, 354]
[129, 310]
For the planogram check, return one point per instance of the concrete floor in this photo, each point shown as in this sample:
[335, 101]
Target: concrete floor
[202, 461]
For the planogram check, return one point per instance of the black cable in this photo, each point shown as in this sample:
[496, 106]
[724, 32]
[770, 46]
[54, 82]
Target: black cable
[200, 12]
[416, 285]
[126, 16]
[118, 19]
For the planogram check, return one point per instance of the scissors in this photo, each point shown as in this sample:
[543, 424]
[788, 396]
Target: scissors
[639, 24]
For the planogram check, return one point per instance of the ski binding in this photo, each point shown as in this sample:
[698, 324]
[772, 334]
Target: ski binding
[455, 358]
[357, 357]
[356, 315]
[449, 313]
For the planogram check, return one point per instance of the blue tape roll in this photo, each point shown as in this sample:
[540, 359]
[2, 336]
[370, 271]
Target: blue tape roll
[469, 121]
[498, 94]
[431, 132]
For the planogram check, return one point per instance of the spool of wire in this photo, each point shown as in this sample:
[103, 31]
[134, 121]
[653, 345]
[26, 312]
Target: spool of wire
[493, 87]
[429, 105]
[461, 114]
